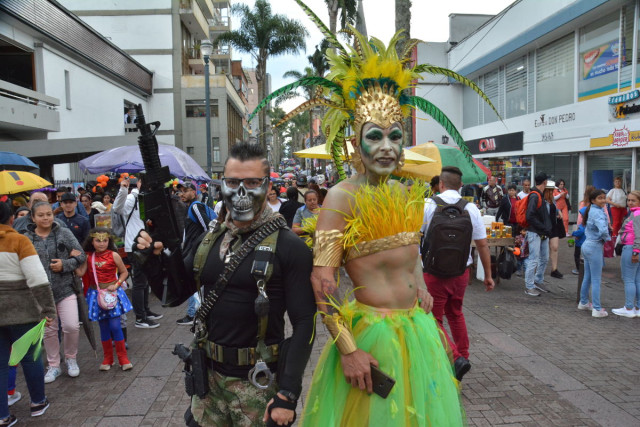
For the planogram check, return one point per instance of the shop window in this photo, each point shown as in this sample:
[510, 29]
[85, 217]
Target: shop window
[626, 71]
[601, 169]
[555, 73]
[600, 49]
[191, 151]
[470, 107]
[215, 142]
[562, 166]
[492, 90]
[197, 108]
[516, 88]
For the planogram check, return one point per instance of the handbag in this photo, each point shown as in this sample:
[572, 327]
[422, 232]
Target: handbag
[107, 300]
[609, 249]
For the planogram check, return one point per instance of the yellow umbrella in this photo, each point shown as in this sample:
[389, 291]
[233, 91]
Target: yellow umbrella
[12, 182]
[320, 152]
[424, 172]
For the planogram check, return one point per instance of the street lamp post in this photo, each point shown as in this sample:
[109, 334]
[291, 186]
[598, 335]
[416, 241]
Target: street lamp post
[206, 48]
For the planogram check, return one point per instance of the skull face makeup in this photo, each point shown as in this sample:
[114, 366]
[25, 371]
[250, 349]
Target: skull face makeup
[244, 197]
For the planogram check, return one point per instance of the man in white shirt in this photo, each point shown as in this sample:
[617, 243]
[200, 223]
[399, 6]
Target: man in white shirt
[127, 205]
[526, 189]
[448, 293]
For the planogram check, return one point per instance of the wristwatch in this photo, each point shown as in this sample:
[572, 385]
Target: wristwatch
[289, 395]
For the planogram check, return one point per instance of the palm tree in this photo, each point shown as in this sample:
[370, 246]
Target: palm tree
[318, 60]
[263, 35]
[403, 22]
[348, 12]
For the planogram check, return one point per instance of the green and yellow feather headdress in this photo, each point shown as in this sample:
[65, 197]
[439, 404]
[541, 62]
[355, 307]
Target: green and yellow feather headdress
[365, 84]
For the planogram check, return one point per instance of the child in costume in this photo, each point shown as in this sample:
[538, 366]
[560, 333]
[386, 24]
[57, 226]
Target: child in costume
[370, 224]
[106, 271]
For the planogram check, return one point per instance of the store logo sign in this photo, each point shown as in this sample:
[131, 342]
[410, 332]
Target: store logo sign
[487, 144]
[554, 120]
[620, 137]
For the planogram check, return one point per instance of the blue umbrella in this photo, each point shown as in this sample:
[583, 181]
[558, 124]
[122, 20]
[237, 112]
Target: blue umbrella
[16, 162]
[128, 159]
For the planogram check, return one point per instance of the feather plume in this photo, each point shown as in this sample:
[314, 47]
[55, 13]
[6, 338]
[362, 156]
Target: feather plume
[408, 49]
[304, 107]
[326, 32]
[437, 114]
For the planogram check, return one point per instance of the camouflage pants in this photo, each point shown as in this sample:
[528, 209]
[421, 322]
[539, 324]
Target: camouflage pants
[231, 402]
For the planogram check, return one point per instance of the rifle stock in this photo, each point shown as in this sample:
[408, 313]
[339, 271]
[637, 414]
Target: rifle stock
[159, 217]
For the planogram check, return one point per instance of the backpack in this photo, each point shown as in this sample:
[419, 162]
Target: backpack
[521, 209]
[507, 264]
[210, 212]
[446, 245]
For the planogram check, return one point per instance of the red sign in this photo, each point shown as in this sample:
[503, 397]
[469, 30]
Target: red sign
[488, 144]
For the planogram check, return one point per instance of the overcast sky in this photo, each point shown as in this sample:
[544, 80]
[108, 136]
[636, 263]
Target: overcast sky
[429, 22]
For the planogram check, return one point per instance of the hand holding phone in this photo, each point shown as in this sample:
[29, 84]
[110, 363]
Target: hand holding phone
[382, 383]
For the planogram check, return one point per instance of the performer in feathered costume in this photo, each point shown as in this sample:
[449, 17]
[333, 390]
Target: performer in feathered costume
[369, 223]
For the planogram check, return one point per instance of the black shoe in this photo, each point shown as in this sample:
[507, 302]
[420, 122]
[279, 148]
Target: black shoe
[9, 421]
[146, 324]
[154, 316]
[40, 408]
[462, 366]
[556, 274]
[186, 320]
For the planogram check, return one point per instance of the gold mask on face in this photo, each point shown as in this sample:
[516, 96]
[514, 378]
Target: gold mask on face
[101, 236]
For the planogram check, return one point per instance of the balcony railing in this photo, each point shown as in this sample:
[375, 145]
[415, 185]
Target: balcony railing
[29, 96]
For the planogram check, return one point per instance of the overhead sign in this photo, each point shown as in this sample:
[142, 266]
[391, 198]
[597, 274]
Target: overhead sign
[497, 143]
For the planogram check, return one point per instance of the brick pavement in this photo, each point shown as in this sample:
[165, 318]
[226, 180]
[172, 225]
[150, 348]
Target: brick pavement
[536, 362]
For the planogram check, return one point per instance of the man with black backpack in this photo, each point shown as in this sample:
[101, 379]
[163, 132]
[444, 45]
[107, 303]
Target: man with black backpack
[450, 223]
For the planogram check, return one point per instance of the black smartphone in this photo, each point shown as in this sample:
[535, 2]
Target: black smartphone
[382, 383]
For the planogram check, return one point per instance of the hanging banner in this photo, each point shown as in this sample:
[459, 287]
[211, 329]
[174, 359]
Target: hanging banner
[602, 60]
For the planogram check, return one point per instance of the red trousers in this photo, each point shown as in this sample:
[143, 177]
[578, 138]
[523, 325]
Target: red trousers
[448, 294]
[617, 217]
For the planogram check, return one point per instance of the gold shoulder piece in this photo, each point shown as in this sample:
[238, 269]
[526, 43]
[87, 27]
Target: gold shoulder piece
[342, 336]
[328, 248]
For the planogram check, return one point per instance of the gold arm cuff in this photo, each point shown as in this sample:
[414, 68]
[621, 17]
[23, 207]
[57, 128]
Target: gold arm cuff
[327, 248]
[341, 333]
[404, 238]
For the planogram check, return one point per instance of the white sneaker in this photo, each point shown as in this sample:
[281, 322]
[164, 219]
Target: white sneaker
[599, 313]
[587, 306]
[72, 368]
[624, 312]
[14, 398]
[53, 372]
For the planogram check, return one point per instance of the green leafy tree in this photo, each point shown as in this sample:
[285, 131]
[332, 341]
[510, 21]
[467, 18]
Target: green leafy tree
[263, 34]
[347, 9]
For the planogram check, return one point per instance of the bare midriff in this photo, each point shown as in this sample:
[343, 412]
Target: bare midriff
[386, 279]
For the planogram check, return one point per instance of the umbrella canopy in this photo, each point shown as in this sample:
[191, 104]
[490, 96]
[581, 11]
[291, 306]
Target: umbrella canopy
[320, 152]
[288, 175]
[289, 169]
[275, 175]
[128, 159]
[16, 162]
[12, 182]
[446, 156]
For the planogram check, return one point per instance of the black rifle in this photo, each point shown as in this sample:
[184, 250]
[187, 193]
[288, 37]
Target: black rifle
[159, 217]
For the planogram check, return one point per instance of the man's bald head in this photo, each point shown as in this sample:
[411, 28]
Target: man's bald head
[38, 196]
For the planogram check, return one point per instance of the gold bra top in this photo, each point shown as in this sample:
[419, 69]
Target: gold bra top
[383, 217]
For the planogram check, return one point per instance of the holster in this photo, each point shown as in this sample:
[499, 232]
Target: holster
[200, 376]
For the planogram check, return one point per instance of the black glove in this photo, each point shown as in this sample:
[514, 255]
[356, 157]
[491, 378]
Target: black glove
[281, 403]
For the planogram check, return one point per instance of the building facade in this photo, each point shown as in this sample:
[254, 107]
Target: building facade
[165, 36]
[63, 87]
[564, 80]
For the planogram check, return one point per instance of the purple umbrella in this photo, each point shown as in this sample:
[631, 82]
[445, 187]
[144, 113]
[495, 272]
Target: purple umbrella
[128, 159]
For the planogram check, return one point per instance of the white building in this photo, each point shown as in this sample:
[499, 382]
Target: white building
[165, 36]
[63, 87]
[563, 76]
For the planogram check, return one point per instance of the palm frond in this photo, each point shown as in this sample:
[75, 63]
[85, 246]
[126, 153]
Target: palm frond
[326, 32]
[307, 81]
[432, 69]
[442, 119]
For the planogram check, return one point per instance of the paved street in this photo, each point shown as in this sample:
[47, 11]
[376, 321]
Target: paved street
[536, 362]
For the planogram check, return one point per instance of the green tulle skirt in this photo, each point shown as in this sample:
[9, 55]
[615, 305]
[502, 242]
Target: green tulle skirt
[408, 346]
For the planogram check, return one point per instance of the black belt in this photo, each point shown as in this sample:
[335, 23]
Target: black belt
[238, 356]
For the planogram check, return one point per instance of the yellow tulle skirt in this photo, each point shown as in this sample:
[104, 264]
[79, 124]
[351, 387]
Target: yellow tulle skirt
[408, 346]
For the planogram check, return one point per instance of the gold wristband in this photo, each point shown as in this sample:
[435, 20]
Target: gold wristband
[342, 336]
[328, 248]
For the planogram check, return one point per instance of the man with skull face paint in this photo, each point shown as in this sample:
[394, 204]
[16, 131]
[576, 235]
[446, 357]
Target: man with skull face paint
[232, 324]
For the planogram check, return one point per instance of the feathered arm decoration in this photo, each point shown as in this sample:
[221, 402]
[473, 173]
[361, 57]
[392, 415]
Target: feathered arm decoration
[306, 81]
